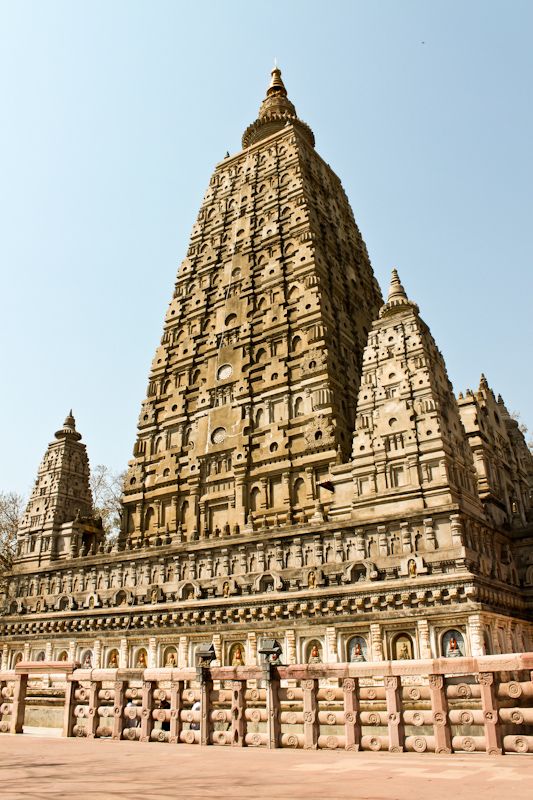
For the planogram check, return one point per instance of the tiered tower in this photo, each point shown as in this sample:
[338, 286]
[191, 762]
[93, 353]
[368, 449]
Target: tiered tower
[251, 395]
[410, 448]
[59, 521]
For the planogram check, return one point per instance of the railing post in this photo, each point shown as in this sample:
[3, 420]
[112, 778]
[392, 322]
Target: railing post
[118, 710]
[146, 712]
[238, 709]
[311, 723]
[19, 703]
[439, 710]
[93, 720]
[176, 703]
[69, 719]
[394, 714]
[206, 687]
[271, 678]
[493, 737]
[352, 724]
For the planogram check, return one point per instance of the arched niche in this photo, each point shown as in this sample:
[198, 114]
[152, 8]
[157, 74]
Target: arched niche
[402, 647]
[357, 649]
[452, 644]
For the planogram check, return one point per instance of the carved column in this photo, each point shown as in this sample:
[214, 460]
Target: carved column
[310, 707]
[146, 713]
[176, 703]
[123, 654]
[423, 638]
[97, 654]
[493, 735]
[394, 713]
[475, 629]
[439, 710]
[92, 710]
[118, 710]
[376, 643]
[405, 536]
[456, 527]
[206, 688]
[152, 652]
[382, 541]
[331, 645]
[183, 660]
[238, 713]
[430, 535]
[290, 638]
[252, 649]
[352, 725]
[272, 708]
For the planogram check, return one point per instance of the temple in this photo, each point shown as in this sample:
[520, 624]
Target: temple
[302, 469]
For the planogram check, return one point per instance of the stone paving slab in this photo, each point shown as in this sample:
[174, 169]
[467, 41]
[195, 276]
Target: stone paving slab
[36, 768]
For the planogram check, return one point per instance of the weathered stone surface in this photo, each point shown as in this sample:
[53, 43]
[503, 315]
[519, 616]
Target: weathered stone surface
[302, 470]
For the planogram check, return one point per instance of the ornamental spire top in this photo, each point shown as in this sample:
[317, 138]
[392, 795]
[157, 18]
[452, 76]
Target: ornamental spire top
[276, 111]
[68, 431]
[397, 300]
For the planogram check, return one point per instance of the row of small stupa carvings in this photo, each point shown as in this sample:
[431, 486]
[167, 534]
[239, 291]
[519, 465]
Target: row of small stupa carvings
[277, 608]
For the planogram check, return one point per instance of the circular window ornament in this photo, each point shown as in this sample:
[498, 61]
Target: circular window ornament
[224, 372]
[218, 435]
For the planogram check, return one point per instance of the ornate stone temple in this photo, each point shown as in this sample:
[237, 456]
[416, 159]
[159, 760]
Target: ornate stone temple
[302, 469]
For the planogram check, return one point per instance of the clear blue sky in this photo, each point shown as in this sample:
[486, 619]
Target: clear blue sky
[113, 115]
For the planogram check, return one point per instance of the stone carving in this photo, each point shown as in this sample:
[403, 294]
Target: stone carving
[298, 440]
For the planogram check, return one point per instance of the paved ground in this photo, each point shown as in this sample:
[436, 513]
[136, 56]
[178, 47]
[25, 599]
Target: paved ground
[39, 768]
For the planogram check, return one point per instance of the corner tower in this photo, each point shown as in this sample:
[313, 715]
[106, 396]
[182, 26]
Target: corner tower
[58, 521]
[251, 395]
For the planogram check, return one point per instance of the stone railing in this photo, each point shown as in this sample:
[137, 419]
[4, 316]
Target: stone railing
[442, 706]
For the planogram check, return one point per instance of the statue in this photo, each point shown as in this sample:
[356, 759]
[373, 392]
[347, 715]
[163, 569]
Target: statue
[225, 589]
[154, 596]
[314, 657]
[411, 568]
[141, 660]
[403, 653]
[171, 660]
[357, 653]
[311, 580]
[237, 660]
[113, 660]
[453, 649]
[88, 661]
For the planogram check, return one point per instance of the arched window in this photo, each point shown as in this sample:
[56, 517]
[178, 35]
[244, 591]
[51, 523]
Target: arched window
[298, 407]
[184, 511]
[254, 498]
[299, 492]
[231, 319]
[259, 418]
[296, 345]
[293, 294]
[150, 520]
[260, 355]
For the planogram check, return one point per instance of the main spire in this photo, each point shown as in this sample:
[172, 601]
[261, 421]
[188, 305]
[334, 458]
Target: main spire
[275, 112]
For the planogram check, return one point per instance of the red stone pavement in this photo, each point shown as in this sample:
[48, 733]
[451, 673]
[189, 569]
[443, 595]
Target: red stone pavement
[37, 767]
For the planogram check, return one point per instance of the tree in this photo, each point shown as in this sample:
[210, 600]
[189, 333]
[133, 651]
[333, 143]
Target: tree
[11, 511]
[106, 488]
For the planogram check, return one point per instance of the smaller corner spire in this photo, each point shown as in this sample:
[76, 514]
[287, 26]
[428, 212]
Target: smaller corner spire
[397, 300]
[69, 428]
[483, 383]
[396, 290]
